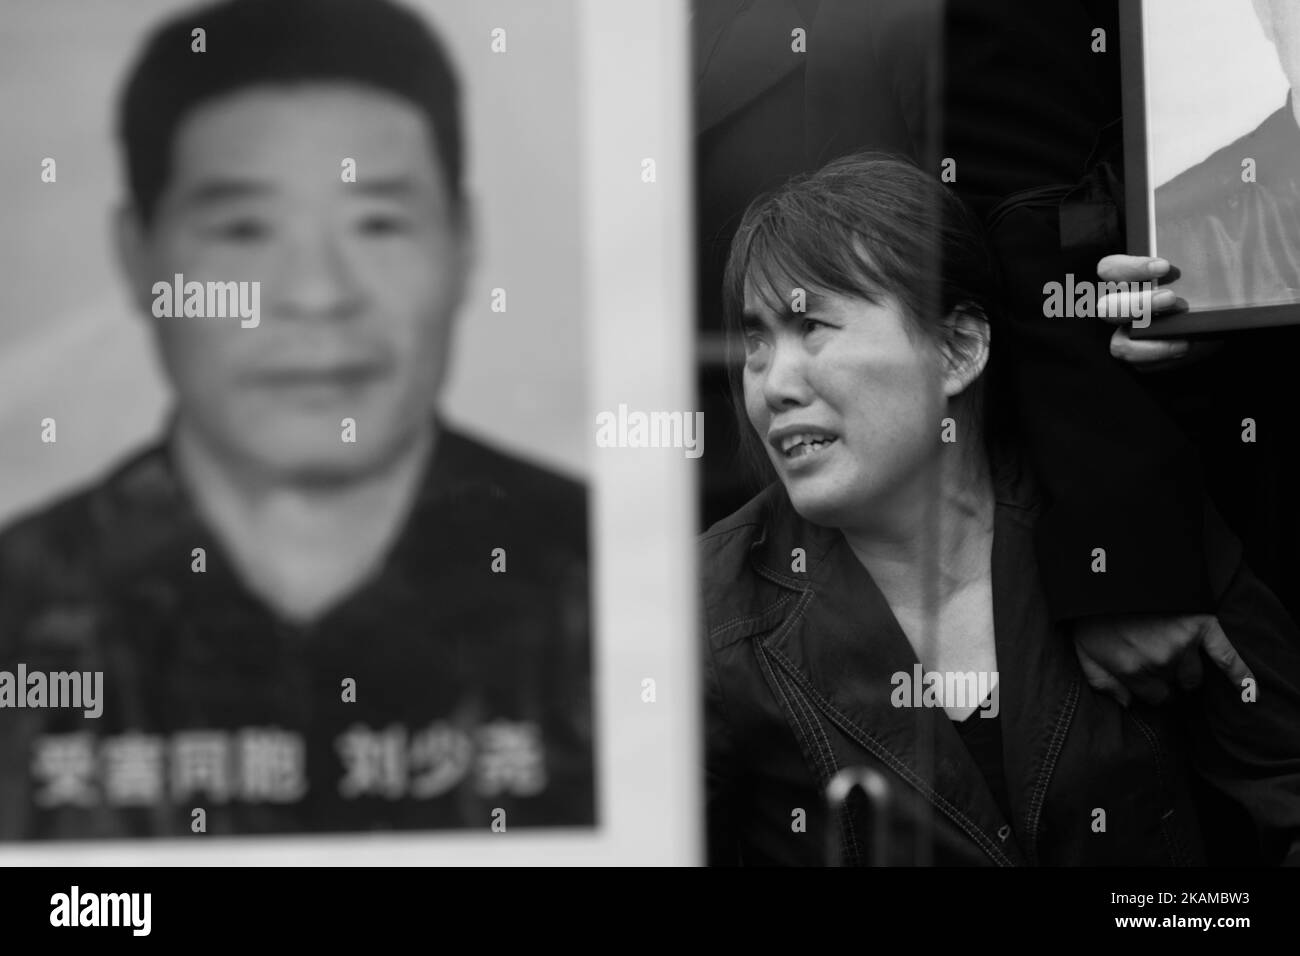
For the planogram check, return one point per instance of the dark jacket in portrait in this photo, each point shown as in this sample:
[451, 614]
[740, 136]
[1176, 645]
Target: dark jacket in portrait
[799, 679]
[1233, 230]
[468, 667]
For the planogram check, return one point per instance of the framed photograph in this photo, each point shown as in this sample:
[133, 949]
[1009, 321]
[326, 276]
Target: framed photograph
[310, 240]
[1212, 153]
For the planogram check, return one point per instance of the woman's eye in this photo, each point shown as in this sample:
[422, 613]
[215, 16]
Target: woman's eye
[812, 325]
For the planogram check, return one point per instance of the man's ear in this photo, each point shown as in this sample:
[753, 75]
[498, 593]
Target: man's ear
[1264, 10]
[965, 338]
[131, 244]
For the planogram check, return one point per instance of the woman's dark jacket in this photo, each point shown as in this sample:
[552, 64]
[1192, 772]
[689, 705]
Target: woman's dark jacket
[801, 650]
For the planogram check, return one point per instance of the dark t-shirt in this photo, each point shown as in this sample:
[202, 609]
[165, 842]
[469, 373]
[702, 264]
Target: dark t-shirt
[451, 684]
[983, 738]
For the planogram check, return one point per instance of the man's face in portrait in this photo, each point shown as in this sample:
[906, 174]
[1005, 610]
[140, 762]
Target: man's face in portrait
[1281, 22]
[359, 281]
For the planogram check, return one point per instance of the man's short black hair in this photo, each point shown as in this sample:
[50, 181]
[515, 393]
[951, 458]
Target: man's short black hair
[254, 42]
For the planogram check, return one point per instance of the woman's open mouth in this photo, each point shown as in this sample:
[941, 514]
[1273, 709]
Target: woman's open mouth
[795, 446]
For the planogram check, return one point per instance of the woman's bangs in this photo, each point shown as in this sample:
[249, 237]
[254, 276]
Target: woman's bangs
[823, 259]
[779, 265]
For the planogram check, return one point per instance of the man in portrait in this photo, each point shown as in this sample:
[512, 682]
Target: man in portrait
[315, 605]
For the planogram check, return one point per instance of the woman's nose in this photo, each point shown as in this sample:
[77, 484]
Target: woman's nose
[786, 381]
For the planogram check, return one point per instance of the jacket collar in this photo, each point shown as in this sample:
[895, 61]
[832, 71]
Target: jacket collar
[842, 643]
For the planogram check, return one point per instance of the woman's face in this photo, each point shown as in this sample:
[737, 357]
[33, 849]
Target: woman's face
[848, 406]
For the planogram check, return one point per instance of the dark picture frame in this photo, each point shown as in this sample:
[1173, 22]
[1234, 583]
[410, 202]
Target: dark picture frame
[1191, 321]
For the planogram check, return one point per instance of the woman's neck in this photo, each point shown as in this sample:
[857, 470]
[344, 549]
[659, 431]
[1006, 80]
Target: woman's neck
[936, 541]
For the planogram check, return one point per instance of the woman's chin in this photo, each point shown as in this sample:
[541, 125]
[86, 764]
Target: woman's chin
[833, 504]
[819, 508]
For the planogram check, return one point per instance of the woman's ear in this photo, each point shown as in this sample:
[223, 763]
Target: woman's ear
[965, 348]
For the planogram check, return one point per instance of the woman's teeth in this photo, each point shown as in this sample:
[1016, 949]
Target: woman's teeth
[797, 446]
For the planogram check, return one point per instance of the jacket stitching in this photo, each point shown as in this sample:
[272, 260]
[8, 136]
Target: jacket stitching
[1049, 765]
[745, 618]
[763, 651]
[778, 577]
[852, 847]
[870, 743]
[731, 530]
[1160, 776]
[828, 766]
[823, 768]
[1175, 854]
[797, 714]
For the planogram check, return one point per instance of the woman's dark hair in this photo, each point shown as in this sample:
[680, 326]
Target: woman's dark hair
[867, 225]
